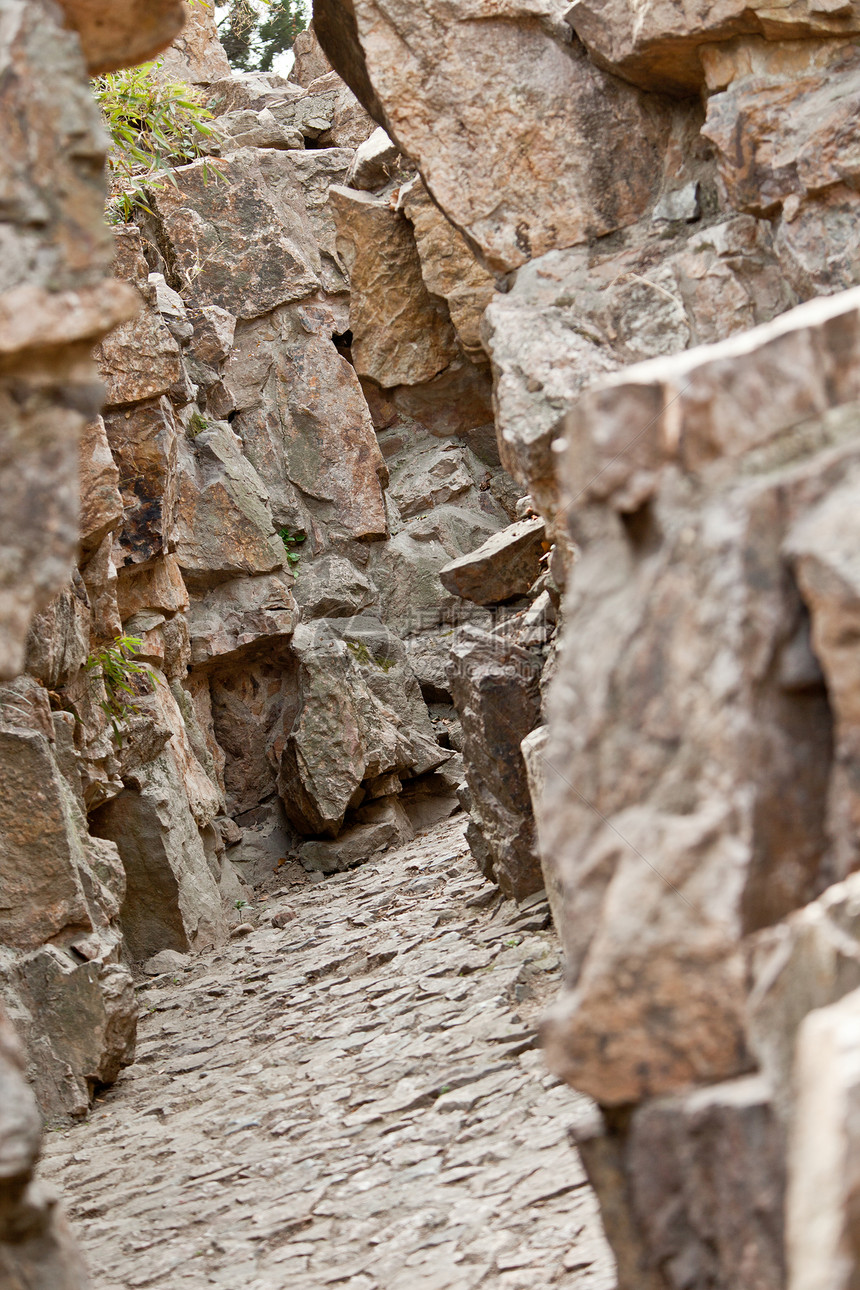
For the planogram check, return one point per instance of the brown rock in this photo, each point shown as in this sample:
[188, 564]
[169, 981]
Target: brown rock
[496, 692]
[39, 874]
[246, 706]
[503, 173]
[700, 682]
[36, 1245]
[115, 34]
[449, 267]
[242, 617]
[54, 303]
[657, 45]
[100, 580]
[235, 241]
[401, 335]
[196, 55]
[573, 316]
[692, 1189]
[223, 524]
[157, 586]
[101, 502]
[310, 61]
[307, 429]
[822, 1184]
[144, 443]
[139, 359]
[504, 566]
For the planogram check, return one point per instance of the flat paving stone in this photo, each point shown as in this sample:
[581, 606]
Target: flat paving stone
[353, 1100]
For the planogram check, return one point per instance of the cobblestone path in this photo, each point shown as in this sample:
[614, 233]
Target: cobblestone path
[353, 1100]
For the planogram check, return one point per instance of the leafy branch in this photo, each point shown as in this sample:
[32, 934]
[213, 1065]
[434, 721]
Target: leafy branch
[154, 125]
[115, 666]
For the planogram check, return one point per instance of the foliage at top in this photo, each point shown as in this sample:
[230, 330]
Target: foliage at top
[253, 36]
[154, 125]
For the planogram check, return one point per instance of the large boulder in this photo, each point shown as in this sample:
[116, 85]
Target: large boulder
[521, 140]
[402, 335]
[504, 566]
[679, 737]
[116, 34]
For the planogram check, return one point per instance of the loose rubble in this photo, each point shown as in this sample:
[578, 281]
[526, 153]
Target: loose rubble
[349, 1093]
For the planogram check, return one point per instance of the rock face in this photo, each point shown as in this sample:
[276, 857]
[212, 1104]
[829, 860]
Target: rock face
[694, 781]
[36, 1246]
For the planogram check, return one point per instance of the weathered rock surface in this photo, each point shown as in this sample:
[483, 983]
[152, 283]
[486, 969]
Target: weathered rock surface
[402, 335]
[504, 566]
[822, 1158]
[36, 1246]
[517, 175]
[114, 34]
[495, 685]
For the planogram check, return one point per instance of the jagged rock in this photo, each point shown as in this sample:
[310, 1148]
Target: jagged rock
[83, 1027]
[157, 586]
[341, 733]
[37, 1248]
[139, 359]
[497, 695]
[41, 855]
[237, 617]
[826, 566]
[237, 243]
[172, 900]
[115, 34]
[784, 128]
[389, 827]
[424, 477]
[310, 61]
[401, 334]
[328, 114]
[806, 962]
[306, 428]
[448, 266]
[332, 587]
[657, 45]
[406, 569]
[55, 300]
[101, 503]
[196, 55]
[505, 178]
[692, 1189]
[373, 163]
[266, 842]
[100, 581]
[59, 639]
[504, 566]
[700, 681]
[247, 129]
[247, 705]
[823, 1151]
[574, 316]
[223, 523]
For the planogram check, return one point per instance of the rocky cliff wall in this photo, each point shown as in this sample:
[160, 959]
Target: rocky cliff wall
[290, 496]
[639, 181]
[331, 374]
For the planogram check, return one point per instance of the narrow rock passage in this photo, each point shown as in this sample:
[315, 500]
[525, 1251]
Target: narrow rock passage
[354, 1100]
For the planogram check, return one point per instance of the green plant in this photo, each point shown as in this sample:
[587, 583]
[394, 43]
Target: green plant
[362, 654]
[154, 126]
[122, 678]
[240, 904]
[254, 32]
[291, 540]
[197, 423]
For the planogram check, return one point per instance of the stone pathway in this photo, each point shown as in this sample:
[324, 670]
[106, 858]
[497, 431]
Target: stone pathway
[353, 1100]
